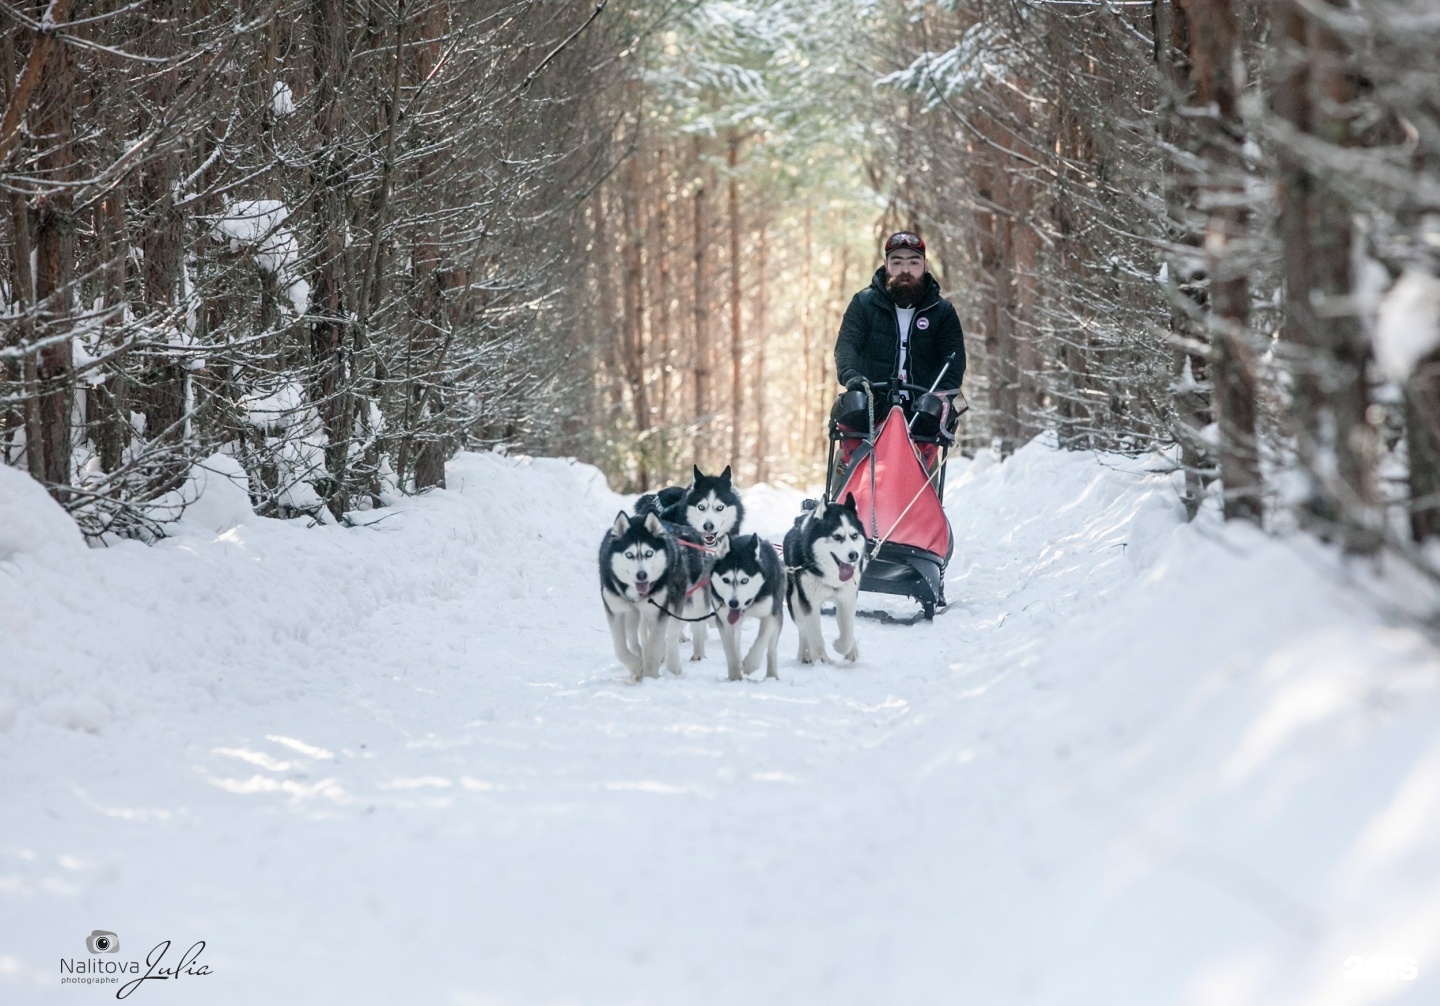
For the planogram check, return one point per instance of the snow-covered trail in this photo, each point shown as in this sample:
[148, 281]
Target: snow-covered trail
[1139, 762]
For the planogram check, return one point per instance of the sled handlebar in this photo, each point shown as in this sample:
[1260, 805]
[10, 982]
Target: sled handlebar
[918, 389]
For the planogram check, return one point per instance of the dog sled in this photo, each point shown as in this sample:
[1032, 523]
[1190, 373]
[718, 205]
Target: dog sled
[894, 467]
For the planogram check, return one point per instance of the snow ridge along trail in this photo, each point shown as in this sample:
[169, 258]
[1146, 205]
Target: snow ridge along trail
[1140, 762]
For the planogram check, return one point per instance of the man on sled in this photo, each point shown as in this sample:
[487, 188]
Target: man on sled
[901, 357]
[897, 331]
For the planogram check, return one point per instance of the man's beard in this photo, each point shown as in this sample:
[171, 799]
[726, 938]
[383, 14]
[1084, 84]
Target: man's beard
[904, 290]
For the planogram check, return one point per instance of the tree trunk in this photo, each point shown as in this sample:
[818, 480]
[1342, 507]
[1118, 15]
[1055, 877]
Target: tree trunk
[54, 270]
[1190, 374]
[700, 363]
[737, 338]
[762, 337]
[1335, 86]
[330, 386]
[633, 349]
[1422, 437]
[809, 397]
[1313, 89]
[1215, 67]
[662, 261]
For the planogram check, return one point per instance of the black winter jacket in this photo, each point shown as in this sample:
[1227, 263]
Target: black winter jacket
[869, 343]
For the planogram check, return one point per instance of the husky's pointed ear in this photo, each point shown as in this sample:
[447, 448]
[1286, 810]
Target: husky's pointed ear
[698, 475]
[722, 546]
[849, 504]
[653, 525]
[621, 526]
[725, 475]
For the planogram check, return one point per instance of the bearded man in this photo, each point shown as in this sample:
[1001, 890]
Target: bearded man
[899, 327]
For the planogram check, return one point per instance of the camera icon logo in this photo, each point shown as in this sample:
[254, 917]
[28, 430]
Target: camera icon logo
[102, 941]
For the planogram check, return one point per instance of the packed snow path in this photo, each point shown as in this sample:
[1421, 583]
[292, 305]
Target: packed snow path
[1139, 762]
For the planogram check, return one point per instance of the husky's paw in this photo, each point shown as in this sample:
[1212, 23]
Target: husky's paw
[633, 678]
[852, 654]
[735, 674]
[751, 666]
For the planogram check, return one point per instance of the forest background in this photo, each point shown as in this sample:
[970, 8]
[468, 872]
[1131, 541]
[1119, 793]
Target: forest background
[340, 240]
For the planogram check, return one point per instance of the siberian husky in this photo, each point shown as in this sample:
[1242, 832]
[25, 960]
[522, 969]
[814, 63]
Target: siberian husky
[747, 582]
[711, 506]
[824, 551]
[640, 573]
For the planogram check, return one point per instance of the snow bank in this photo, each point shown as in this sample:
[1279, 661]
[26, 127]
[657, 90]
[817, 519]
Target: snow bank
[1140, 761]
[223, 610]
[32, 525]
[215, 497]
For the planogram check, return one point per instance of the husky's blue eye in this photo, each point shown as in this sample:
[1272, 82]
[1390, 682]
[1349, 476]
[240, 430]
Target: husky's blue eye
[719, 506]
[649, 552]
[744, 580]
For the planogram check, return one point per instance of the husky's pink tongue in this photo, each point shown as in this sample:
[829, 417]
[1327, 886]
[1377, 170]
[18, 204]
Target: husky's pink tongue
[734, 615]
[642, 587]
[846, 570]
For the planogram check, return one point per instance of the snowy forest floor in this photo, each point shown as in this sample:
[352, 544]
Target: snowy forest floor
[1139, 762]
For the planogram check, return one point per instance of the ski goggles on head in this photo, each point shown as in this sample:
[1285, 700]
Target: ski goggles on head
[904, 241]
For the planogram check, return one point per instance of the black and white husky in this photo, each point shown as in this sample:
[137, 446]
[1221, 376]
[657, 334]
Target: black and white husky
[823, 555]
[711, 506]
[640, 574]
[748, 581]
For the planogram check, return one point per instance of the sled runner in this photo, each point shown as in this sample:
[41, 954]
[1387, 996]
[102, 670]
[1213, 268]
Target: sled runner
[895, 469]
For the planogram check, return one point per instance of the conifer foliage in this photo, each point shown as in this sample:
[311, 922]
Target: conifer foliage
[316, 235]
[1206, 225]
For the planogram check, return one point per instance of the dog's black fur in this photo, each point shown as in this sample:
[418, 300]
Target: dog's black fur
[742, 561]
[638, 610]
[824, 555]
[673, 503]
[750, 555]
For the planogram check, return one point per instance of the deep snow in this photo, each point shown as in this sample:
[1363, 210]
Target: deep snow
[1139, 762]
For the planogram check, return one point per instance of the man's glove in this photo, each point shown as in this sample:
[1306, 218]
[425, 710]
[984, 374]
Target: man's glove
[855, 384]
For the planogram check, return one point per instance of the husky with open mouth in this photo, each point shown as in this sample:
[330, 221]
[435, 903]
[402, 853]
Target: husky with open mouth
[709, 504]
[711, 507]
[748, 581]
[640, 574]
[824, 552]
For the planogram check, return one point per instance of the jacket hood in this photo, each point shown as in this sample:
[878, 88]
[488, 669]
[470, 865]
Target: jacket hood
[929, 289]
